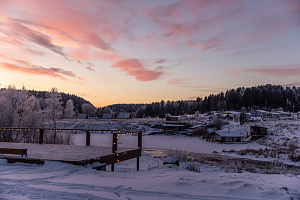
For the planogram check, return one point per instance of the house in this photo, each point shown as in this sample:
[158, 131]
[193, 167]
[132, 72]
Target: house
[284, 115]
[259, 113]
[174, 127]
[257, 132]
[272, 116]
[124, 115]
[232, 115]
[199, 129]
[107, 116]
[225, 136]
[171, 118]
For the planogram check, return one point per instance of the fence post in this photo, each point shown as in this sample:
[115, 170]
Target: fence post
[114, 149]
[88, 138]
[140, 147]
[41, 139]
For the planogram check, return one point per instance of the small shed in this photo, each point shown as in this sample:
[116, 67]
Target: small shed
[225, 136]
[258, 132]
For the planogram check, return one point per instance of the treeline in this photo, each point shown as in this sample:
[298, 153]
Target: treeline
[265, 97]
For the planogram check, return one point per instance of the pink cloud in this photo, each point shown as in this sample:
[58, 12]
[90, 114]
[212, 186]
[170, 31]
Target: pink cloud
[82, 25]
[98, 42]
[277, 70]
[21, 34]
[31, 70]
[133, 67]
[27, 67]
[234, 72]
[175, 81]
[89, 55]
[212, 43]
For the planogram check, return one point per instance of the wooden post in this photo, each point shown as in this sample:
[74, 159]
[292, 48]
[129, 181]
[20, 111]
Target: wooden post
[140, 147]
[140, 140]
[114, 149]
[88, 138]
[41, 139]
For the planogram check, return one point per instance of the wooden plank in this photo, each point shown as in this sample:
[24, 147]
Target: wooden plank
[112, 159]
[25, 160]
[128, 155]
[13, 151]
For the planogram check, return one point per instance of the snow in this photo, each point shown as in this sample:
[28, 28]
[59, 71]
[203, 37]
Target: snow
[183, 143]
[57, 180]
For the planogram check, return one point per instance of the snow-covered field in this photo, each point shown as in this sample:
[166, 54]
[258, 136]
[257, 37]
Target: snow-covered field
[55, 180]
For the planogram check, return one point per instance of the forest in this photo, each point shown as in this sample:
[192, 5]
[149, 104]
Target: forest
[268, 97]
[265, 97]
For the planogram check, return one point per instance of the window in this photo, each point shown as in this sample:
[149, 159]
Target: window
[228, 139]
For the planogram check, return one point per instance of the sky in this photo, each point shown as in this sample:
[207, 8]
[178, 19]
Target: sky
[141, 51]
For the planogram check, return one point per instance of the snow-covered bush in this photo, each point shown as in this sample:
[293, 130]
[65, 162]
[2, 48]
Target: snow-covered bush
[192, 166]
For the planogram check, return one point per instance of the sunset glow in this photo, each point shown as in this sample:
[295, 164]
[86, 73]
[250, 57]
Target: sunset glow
[143, 51]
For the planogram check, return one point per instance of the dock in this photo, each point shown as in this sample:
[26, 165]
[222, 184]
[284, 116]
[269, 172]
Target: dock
[38, 153]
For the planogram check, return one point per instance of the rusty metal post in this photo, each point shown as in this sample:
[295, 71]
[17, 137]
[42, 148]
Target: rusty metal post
[41, 139]
[140, 147]
[114, 149]
[88, 138]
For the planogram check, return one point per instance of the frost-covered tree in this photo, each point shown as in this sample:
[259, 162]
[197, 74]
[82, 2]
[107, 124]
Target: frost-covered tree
[53, 109]
[88, 109]
[69, 109]
[12, 106]
[17, 109]
[31, 113]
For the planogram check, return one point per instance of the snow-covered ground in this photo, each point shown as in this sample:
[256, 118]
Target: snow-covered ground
[56, 180]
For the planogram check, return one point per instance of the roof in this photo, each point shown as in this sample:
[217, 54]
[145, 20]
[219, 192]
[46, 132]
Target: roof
[226, 133]
[197, 126]
[172, 116]
[259, 126]
[173, 125]
[107, 116]
[231, 112]
[262, 111]
[124, 115]
[81, 116]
